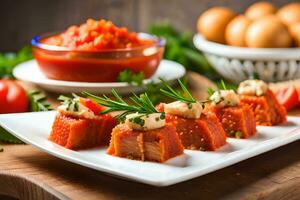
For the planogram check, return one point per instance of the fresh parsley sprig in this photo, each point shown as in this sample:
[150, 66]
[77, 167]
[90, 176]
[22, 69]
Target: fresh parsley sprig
[186, 97]
[140, 104]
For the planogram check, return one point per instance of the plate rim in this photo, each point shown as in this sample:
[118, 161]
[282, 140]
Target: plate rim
[194, 173]
[61, 83]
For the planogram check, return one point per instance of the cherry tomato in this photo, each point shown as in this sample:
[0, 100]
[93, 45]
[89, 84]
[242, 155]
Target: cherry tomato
[13, 98]
[288, 97]
[97, 109]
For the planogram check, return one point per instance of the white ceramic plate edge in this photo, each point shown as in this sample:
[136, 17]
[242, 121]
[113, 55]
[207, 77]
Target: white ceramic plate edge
[233, 158]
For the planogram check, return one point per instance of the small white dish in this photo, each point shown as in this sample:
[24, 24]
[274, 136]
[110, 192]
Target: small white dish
[30, 72]
[34, 129]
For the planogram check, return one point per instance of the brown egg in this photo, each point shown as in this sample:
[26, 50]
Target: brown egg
[268, 32]
[289, 13]
[236, 30]
[212, 23]
[260, 9]
[295, 33]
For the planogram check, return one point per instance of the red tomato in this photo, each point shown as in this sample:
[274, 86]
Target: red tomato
[288, 97]
[97, 109]
[13, 98]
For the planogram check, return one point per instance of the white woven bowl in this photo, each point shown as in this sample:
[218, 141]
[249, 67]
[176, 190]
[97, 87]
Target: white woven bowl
[238, 64]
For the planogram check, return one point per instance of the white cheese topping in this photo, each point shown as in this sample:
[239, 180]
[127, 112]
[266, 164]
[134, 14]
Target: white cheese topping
[225, 98]
[144, 122]
[81, 111]
[253, 87]
[186, 110]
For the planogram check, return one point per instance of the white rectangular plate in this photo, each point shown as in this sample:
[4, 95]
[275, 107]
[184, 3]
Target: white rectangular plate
[34, 128]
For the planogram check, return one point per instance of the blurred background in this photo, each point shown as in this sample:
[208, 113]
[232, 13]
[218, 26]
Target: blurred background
[21, 20]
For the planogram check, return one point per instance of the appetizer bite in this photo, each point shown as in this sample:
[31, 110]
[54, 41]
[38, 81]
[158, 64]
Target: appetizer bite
[262, 101]
[143, 133]
[237, 119]
[197, 130]
[79, 125]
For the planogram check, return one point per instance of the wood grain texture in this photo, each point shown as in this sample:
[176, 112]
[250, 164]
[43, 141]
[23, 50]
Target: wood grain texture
[28, 173]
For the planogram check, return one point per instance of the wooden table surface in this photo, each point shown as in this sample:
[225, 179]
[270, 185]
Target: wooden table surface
[28, 173]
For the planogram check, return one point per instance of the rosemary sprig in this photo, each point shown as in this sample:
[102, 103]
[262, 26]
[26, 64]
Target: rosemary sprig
[140, 104]
[70, 102]
[186, 97]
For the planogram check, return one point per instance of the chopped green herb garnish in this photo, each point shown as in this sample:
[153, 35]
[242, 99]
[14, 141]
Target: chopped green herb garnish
[130, 77]
[138, 120]
[163, 115]
[70, 102]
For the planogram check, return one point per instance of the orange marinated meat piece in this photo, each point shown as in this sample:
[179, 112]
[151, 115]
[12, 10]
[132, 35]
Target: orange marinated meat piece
[266, 108]
[237, 121]
[156, 145]
[79, 133]
[205, 133]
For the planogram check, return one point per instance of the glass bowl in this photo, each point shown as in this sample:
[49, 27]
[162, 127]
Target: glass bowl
[61, 63]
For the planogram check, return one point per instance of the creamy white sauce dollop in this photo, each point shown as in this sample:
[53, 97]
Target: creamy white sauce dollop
[253, 87]
[192, 110]
[80, 111]
[145, 122]
[224, 98]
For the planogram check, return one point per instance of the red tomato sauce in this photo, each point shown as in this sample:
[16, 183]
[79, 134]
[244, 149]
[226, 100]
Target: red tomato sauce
[97, 51]
[96, 35]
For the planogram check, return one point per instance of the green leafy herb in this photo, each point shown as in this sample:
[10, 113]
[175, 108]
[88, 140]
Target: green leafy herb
[140, 104]
[38, 101]
[8, 138]
[186, 97]
[138, 120]
[70, 102]
[180, 48]
[130, 77]
[9, 60]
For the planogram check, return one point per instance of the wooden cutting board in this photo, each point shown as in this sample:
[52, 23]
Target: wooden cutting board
[28, 173]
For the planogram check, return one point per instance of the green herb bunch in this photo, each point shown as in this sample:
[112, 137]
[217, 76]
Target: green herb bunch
[180, 48]
[9, 60]
[37, 101]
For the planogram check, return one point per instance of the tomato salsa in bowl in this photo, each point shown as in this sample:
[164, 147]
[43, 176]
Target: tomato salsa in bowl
[96, 51]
